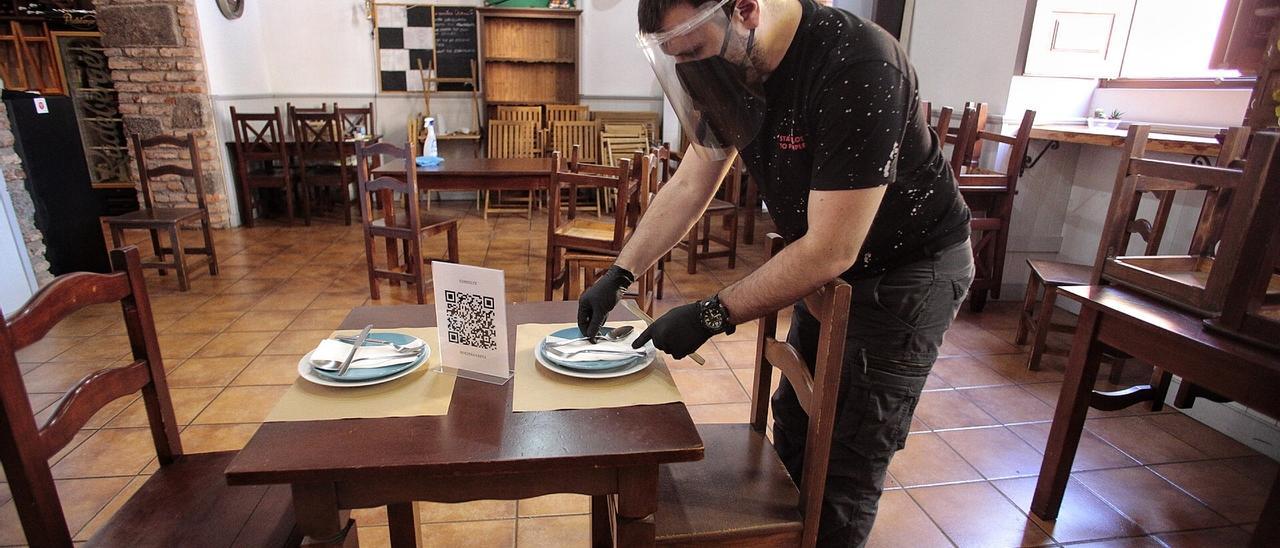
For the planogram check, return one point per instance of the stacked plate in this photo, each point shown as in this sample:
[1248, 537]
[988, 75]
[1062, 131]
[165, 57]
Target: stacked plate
[383, 357]
[591, 361]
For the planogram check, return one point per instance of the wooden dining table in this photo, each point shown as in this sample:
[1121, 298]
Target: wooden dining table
[477, 174]
[480, 450]
[1175, 341]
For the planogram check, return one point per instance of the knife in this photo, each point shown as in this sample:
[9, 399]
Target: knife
[632, 307]
[364, 334]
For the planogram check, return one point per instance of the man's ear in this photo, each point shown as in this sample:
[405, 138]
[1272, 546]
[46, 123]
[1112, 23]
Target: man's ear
[749, 13]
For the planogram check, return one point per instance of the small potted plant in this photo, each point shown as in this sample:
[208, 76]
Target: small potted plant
[1101, 119]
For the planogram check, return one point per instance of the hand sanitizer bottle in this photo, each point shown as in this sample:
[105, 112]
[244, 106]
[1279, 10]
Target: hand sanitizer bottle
[429, 146]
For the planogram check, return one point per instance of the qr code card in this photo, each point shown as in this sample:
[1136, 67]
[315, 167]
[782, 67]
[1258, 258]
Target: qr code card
[471, 313]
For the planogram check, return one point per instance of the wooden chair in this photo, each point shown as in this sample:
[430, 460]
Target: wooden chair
[169, 219]
[740, 494]
[585, 134]
[1198, 280]
[527, 114]
[187, 500]
[567, 113]
[262, 160]
[322, 161]
[943, 125]
[698, 246]
[356, 120]
[990, 195]
[651, 120]
[575, 234]
[510, 139]
[408, 231]
[584, 268]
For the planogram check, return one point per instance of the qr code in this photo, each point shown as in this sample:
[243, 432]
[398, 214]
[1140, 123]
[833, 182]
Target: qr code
[471, 320]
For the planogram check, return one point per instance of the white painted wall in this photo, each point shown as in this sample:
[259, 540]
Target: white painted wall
[965, 50]
[234, 49]
[612, 63]
[17, 280]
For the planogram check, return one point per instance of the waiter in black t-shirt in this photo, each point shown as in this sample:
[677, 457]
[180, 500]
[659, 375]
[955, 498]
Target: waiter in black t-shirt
[823, 109]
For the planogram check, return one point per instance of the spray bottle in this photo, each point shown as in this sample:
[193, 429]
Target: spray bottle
[429, 146]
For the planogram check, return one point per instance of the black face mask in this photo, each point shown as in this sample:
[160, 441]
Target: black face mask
[731, 108]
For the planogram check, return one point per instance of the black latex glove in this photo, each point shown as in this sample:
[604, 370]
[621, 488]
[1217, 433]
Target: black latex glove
[679, 332]
[596, 302]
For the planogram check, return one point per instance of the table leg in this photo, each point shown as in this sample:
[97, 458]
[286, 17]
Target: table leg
[1068, 418]
[637, 502]
[1267, 531]
[321, 523]
[402, 522]
[601, 522]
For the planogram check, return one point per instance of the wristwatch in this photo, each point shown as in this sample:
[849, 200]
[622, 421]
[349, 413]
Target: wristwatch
[715, 317]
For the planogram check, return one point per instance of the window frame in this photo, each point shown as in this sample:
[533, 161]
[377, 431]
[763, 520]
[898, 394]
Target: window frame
[1235, 82]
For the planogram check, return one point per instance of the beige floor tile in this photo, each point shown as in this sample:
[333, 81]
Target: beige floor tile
[1143, 440]
[210, 438]
[555, 505]
[738, 354]
[205, 372]
[373, 537]
[370, 516]
[319, 319]
[901, 522]
[249, 343]
[1196, 434]
[81, 499]
[928, 460]
[965, 371]
[47, 348]
[721, 413]
[951, 409]
[264, 320]
[1014, 367]
[187, 403]
[435, 512]
[108, 452]
[58, 377]
[178, 346]
[1092, 453]
[1150, 501]
[994, 452]
[976, 514]
[1009, 404]
[1208, 538]
[295, 342]
[229, 303]
[554, 532]
[1237, 497]
[977, 341]
[103, 348]
[269, 369]
[710, 386]
[241, 405]
[1083, 515]
[472, 534]
[286, 301]
[104, 515]
[204, 322]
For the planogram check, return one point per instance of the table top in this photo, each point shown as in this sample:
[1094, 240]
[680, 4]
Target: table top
[475, 167]
[480, 435]
[1157, 142]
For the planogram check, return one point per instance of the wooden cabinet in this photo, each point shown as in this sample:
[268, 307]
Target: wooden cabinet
[26, 57]
[529, 55]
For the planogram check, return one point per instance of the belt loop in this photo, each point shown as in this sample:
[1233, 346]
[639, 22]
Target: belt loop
[862, 352]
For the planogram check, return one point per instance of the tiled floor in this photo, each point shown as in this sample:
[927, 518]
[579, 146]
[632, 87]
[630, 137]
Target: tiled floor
[965, 478]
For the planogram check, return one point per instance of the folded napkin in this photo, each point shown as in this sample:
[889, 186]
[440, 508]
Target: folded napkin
[367, 356]
[590, 356]
[429, 161]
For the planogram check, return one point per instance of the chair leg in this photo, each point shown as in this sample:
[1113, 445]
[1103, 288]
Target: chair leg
[1028, 304]
[157, 248]
[551, 272]
[733, 241]
[208, 244]
[572, 280]
[1160, 380]
[289, 195]
[706, 235]
[415, 266]
[368, 259]
[601, 522]
[117, 236]
[308, 194]
[692, 249]
[662, 277]
[179, 259]
[1117, 370]
[1043, 320]
[452, 235]
[345, 200]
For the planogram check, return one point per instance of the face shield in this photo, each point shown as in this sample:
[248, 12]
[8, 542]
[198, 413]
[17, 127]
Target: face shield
[704, 67]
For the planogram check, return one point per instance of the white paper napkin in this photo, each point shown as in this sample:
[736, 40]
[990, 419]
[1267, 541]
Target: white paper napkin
[367, 356]
[591, 356]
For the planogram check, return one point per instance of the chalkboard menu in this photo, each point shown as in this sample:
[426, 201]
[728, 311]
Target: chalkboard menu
[439, 39]
[455, 44]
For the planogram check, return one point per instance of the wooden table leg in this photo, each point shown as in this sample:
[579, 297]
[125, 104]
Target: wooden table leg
[637, 502]
[402, 522]
[321, 523]
[1068, 418]
[1267, 531]
[601, 522]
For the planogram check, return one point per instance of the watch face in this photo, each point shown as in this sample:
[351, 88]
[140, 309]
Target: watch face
[712, 316]
[231, 9]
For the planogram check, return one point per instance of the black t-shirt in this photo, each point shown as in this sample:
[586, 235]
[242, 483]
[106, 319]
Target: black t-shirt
[843, 113]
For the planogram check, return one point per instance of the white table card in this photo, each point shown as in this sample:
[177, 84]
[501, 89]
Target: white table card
[471, 310]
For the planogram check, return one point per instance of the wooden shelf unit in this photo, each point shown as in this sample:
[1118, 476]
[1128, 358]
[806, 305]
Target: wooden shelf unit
[530, 55]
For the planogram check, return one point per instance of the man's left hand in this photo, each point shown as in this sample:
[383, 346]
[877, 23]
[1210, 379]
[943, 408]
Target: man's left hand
[679, 332]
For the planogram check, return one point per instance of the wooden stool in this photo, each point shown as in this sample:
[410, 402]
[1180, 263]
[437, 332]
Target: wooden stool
[1052, 275]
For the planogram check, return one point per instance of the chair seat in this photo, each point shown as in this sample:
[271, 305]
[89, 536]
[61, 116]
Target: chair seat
[739, 489]
[717, 205]
[429, 220]
[1057, 274]
[159, 215]
[188, 503]
[587, 229]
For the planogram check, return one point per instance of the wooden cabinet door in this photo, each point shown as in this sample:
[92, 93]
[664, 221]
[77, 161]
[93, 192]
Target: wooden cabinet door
[1078, 38]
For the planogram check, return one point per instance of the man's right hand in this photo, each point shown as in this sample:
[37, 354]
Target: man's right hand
[600, 298]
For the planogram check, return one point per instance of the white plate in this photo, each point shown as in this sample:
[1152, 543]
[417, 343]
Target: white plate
[304, 371]
[650, 354]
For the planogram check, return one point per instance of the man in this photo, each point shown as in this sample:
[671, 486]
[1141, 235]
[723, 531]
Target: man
[823, 109]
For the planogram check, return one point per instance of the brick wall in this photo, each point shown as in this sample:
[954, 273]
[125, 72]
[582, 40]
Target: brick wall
[15, 180]
[157, 64]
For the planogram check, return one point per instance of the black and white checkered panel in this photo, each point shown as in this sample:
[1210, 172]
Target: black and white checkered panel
[405, 38]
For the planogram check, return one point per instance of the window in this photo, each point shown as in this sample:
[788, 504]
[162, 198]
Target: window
[1127, 39]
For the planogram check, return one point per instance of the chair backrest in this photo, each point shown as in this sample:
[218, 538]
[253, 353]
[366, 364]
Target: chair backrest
[650, 119]
[1215, 246]
[579, 174]
[355, 120]
[25, 445]
[511, 139]
[817, 387]
[1247, 309]
[944, 120]
[369, 186]
[618, 146]
[668, 160]
[567, 113]
[159, 145]
[259, 136]
[316, 136]
[1018, 143]
[524, 113]
[586, 134]
[311, 110]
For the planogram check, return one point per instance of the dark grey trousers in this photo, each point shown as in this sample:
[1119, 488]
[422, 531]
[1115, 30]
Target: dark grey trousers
[896, 324]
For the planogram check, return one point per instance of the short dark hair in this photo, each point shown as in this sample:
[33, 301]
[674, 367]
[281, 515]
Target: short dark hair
[651, 11]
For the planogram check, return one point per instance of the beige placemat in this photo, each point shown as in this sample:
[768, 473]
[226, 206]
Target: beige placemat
[424, 392]
[538, 389]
